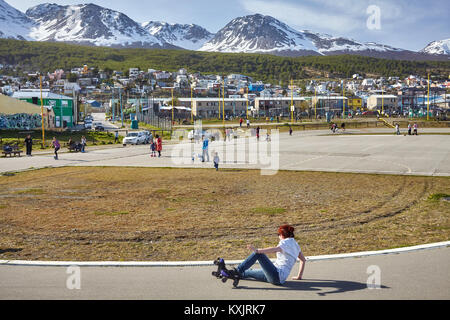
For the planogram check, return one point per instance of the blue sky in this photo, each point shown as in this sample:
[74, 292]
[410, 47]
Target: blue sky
[407, 24]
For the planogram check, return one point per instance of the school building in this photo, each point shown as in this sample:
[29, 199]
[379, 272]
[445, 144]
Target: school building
[276, 106]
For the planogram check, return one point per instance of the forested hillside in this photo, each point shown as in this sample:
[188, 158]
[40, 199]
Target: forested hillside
[48, 56]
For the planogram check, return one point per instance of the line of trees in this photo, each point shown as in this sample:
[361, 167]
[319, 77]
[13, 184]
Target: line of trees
[48, 56]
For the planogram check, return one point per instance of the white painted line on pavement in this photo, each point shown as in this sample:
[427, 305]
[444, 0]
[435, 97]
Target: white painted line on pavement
[210, 263]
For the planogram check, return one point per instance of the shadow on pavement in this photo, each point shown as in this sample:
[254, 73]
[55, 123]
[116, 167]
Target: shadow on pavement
[339, 286]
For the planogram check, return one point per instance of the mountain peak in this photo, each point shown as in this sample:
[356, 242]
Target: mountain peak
[438, 47]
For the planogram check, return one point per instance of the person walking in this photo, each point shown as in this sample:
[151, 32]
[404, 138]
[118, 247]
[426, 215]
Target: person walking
[116, 136]
[83, 143]
[57, 146]
[397, 129]
[240, 122]
[28, 144]
[205, 149]
[275, 273]
[248, 123]
[216, 161]
[415, 129]
[158, 145]
[290, 130]
[257, 133]
[409, 129]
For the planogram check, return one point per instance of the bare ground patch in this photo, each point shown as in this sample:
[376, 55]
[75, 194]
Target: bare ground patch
[92, 213]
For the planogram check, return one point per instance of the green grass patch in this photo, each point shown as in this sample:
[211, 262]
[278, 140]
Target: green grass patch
[162, 191]
[438, 196]
[34, 191]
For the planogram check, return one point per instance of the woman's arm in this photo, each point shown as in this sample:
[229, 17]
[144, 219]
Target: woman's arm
[301, 268]
[265, 250]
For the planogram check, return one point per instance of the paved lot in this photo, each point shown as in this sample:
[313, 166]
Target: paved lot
[415, 275]
[305, 150]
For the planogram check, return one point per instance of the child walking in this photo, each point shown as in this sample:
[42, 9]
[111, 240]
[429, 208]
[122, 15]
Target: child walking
[153, 148]
[216, 161]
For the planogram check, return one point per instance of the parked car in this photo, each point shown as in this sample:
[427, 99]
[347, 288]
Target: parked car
[99, 127]
[137, 137]
[88, 124]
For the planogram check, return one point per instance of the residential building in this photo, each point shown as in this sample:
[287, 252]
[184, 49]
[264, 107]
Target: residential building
[382, 102]
[276, 106]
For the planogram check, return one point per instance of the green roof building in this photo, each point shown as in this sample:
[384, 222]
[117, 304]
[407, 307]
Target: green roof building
[63, 106]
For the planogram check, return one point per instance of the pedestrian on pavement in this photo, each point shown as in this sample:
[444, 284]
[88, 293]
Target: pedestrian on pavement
[276, 273]
[205, 147]
[257, 133]
[83, 143]
[409, 129]
[57, 146]
[290, 130]
[158, 145]
[152, 148]
[415, 129]
[150, 138]
[216, 161]
[240, 122]
[397, 129]
[116, 136]
[28, 144]
[248, 123]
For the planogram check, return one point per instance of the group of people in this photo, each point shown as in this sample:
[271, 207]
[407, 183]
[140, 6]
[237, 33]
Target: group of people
[242, 120]
[56, 145]
[155, 145]
[412, 129]
[80, 146]
[334, 127]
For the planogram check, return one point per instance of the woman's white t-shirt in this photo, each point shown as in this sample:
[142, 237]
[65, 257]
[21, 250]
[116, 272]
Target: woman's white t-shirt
[287, 257]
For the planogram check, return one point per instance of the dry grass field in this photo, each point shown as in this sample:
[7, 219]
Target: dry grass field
[155, 214]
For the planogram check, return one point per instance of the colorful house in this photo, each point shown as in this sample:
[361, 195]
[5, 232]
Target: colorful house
[355, 103]
[63, 106]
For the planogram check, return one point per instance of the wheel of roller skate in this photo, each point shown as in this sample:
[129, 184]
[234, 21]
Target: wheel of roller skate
[216, 262]
[224, 280]
[214, 273]
[235, 283]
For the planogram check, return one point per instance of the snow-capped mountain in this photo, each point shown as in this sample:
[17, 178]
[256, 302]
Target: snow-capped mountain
[94, 25]
[438, 47]
[258, 33]
[265, 34]
[88, 24]
[327, 44]
[187, 36]
[13, 23]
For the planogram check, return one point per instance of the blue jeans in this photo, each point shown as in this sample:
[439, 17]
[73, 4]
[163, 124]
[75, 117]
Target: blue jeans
[268, 273]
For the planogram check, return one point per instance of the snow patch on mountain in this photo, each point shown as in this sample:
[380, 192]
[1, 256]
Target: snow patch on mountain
[187, 36]
[13, 23]
[438, 47]
[88, 23]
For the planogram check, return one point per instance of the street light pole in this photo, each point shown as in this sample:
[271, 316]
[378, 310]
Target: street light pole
[192, 110]
[292, 101]
[428, 105]
[172, 106]
[247, 103]
[42, 113]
